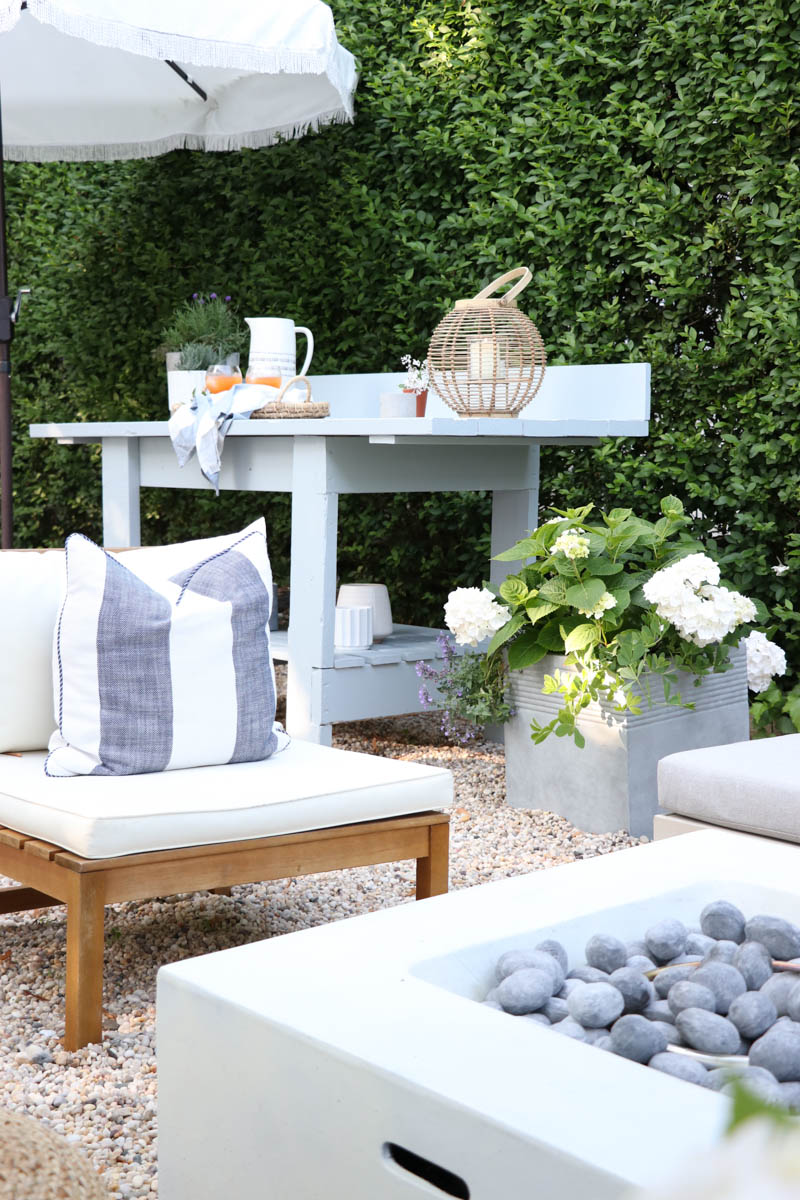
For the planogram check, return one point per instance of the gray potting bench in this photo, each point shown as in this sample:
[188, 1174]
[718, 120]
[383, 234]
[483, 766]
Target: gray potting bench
[356, 451]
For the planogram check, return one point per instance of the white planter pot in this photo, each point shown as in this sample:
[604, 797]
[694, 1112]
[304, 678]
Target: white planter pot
[181, 386]
[611, 783]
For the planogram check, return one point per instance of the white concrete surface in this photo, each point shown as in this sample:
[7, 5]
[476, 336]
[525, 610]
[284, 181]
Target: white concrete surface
[287, 1066]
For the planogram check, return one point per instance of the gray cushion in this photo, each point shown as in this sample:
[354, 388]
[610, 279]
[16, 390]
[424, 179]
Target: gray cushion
[754, 786]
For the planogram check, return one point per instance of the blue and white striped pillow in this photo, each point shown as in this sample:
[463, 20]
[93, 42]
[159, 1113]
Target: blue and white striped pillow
[165, 674]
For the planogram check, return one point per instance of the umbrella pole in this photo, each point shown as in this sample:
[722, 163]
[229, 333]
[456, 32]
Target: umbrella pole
[6, 331]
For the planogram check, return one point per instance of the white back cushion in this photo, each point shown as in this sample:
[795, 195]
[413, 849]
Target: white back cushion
[31, 589]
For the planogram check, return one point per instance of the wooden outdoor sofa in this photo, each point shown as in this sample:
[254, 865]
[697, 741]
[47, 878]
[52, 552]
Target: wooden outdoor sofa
[321, 809]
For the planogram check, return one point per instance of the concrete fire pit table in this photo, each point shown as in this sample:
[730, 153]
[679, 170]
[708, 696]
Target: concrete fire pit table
[352, 1060]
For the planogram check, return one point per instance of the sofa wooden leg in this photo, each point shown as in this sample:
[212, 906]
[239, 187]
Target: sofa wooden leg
[85, 908]
[433, 871]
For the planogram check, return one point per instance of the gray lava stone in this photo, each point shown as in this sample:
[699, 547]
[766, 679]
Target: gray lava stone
[781, 938]
[492, 1004]
[659, 1010]
[587, 974]
[568, 986]
[538, 1017]
[606, 953]
[543, 961]
[549, 946]
[665, 939]
[754, 961]
[708, 1032]
[555, 1010]
[685, 958]
[787, 1023]
[640, 962]
[637, 1038]
[722, 921]
[525, 991]
[779, 1051]
[595, 1036]
[698, 943]
[572, 1029]
[721, 952]
[719, 1076]
[603, 1043]
[492, 994]
[665, 979]
[595, 1005]
[724, 981]
[753, 1014]
[779, 988]
[637, 992]
[514, 960]
[637, 948]
[793, 1002]
[680, 1066]
[690, 995]
[790, 1096]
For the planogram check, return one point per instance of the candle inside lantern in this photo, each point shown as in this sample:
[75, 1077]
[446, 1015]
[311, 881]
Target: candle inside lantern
[484, 359]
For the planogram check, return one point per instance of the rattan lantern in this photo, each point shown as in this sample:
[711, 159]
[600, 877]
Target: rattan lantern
[487, 359]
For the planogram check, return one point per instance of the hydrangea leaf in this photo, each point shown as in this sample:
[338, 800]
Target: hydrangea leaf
[582, 637]
[508, 630]
[525, 651]
[586, 594]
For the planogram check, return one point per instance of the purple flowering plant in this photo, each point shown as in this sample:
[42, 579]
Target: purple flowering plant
[468, 689]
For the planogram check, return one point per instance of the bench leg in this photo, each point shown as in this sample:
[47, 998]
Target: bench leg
[433, 871]
[85, 908]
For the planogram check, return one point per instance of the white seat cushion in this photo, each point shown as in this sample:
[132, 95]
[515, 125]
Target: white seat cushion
[754, 786]
[303, 787]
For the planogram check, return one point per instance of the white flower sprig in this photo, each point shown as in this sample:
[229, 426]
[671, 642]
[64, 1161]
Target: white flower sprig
[764, 659]
[572, 544]
[473, 614]
[416, 379]
[689, 597]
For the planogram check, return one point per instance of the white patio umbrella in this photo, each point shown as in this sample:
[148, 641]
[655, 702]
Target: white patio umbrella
[112, 79]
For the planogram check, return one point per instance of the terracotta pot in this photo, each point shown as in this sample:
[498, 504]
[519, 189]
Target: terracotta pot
[422, 400]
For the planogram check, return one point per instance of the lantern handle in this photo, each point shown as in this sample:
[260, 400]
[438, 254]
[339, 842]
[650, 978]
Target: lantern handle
[525, 277]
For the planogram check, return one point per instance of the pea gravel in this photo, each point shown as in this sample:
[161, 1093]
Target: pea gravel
[103, 1098]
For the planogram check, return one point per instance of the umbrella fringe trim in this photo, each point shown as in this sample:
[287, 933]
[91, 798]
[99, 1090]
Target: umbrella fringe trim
[178, 141]
[332, 60]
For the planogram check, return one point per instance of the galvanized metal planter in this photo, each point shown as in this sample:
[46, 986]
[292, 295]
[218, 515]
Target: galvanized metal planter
[611, 783]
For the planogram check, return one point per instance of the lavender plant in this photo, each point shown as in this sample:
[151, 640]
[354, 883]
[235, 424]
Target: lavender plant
[469, 690]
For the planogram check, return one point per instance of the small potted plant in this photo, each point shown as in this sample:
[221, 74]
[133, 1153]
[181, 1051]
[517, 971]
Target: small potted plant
[622, 642]
[416, 381]
[203, 331]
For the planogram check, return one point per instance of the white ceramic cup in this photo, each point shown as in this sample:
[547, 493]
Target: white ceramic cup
[398, 404]
[353, 629]
[376, 595]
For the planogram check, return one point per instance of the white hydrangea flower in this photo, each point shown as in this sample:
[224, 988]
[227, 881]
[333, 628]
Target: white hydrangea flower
[760, 1160]
[605, 602]
[572, 544]
[472, 614]
[764, 659]
[689, 597]
[780, 568]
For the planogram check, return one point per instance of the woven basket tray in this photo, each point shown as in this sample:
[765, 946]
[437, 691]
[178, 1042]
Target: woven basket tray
[277, 408]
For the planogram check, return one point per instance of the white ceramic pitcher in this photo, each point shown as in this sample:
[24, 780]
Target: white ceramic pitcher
[273, 349]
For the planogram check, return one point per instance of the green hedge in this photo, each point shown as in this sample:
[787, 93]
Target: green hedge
[640, 156]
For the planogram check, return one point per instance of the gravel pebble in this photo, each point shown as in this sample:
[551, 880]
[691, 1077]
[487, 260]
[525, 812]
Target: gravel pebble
[586, 974]
[549, 946]
[665, 939]
[637, 1038]
[723, 921]
[680, 1066]
[779, 1052]
[595, 1005]
[752, 1013]
[723, 980]
[755, 963]
[665, 979]
[606, 953]
[637, 992]
[779, 988]
[687, 994]
[525, 991]
[781, 938]
[721, 951]
[708, 1032]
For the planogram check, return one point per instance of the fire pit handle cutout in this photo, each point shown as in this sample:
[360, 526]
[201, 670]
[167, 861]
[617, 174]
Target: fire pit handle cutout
[448, 1183]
